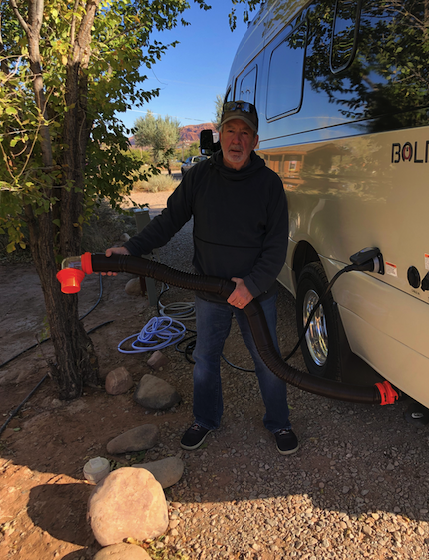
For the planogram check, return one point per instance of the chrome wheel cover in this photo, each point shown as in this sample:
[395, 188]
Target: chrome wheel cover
[317, 334]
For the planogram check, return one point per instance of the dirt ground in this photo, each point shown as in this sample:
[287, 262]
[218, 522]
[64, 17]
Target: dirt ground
[43, 449]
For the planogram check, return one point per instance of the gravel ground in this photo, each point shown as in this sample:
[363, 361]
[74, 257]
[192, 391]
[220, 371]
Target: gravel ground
[357, 487]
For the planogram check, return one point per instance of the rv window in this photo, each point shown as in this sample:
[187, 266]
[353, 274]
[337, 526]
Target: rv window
[344, 34]
[285, 73]
[247, 87]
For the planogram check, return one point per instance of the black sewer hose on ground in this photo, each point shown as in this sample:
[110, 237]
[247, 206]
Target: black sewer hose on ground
[381, 393]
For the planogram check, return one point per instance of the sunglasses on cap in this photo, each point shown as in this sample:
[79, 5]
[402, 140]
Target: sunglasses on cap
[242, 106]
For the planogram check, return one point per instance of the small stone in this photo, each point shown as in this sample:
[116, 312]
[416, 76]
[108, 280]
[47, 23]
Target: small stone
[138, 439]
[166, 471]
[118, 381]
[155, 393]
[157, 360]
[121, 551]
[133, 287]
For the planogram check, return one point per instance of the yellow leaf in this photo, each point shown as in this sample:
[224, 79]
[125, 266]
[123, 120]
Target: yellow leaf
[64, 59]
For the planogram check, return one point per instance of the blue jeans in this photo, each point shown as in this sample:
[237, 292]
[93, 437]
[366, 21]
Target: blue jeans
[213, 327]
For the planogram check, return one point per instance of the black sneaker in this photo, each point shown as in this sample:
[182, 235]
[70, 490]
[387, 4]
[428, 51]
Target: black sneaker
[286, 441]
[194, 437]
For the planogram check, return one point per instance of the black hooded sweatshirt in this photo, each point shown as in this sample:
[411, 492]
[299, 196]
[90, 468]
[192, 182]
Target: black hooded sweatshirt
[240, 223]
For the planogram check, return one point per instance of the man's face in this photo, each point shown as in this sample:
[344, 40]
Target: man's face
[237, 140]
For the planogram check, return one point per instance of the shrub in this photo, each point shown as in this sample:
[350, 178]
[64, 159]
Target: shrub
[105, 227]
[157, 183]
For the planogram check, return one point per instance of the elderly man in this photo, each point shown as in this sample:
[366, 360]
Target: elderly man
[240, 233]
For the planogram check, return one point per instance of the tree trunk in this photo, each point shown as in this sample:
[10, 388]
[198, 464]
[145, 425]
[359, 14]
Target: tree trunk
[76, 363]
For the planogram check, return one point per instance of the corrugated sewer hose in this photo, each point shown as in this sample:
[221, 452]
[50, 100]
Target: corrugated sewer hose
[380, 393]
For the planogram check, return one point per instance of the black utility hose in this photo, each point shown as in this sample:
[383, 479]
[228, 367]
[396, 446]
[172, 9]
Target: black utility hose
[15, 411]
[257, 323]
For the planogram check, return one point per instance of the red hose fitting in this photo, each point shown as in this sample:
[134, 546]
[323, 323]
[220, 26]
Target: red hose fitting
[72, 276]
[387, 393]
[86, 263]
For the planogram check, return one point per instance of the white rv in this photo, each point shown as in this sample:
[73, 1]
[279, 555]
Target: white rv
[342, 93]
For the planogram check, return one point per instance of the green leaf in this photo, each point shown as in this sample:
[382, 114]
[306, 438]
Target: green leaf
[10, 247]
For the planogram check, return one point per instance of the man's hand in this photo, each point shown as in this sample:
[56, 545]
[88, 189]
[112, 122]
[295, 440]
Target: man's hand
[241, 296]
[115, 251]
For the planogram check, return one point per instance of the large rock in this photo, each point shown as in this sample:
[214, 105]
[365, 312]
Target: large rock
[136, 439]
[166, 471]
[128, 503]
[153, 392]
[122, 551]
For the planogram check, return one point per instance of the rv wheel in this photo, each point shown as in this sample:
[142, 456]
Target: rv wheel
[321, 344]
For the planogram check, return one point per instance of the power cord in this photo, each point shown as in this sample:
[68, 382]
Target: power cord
[185, 311]
[365, 266]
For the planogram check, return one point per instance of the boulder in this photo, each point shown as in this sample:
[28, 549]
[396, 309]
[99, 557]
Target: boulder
[128, 503]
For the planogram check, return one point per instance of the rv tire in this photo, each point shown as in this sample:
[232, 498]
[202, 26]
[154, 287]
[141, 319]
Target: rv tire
[321, 346]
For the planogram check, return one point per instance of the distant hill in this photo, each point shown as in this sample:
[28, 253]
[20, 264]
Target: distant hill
[188, 134]
[191, 133]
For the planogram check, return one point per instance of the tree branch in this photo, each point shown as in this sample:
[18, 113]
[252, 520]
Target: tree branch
[73, 23]
[18, 15]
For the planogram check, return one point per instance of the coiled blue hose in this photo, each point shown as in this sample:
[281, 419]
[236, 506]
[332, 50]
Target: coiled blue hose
[158, 333]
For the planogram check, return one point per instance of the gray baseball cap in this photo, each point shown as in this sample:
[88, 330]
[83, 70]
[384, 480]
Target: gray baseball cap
[240, 110]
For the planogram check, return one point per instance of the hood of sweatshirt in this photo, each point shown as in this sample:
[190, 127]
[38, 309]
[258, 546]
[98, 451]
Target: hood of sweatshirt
[230, 174]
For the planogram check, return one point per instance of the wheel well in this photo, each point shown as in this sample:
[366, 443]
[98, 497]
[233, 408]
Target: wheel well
[304, 254]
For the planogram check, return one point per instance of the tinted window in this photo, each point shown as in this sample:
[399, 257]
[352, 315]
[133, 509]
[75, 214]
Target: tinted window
[247, 87]
[344, 34]
[284, 86]
[385, 80]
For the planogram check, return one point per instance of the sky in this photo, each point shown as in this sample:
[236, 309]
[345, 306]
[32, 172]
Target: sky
[192, 74]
